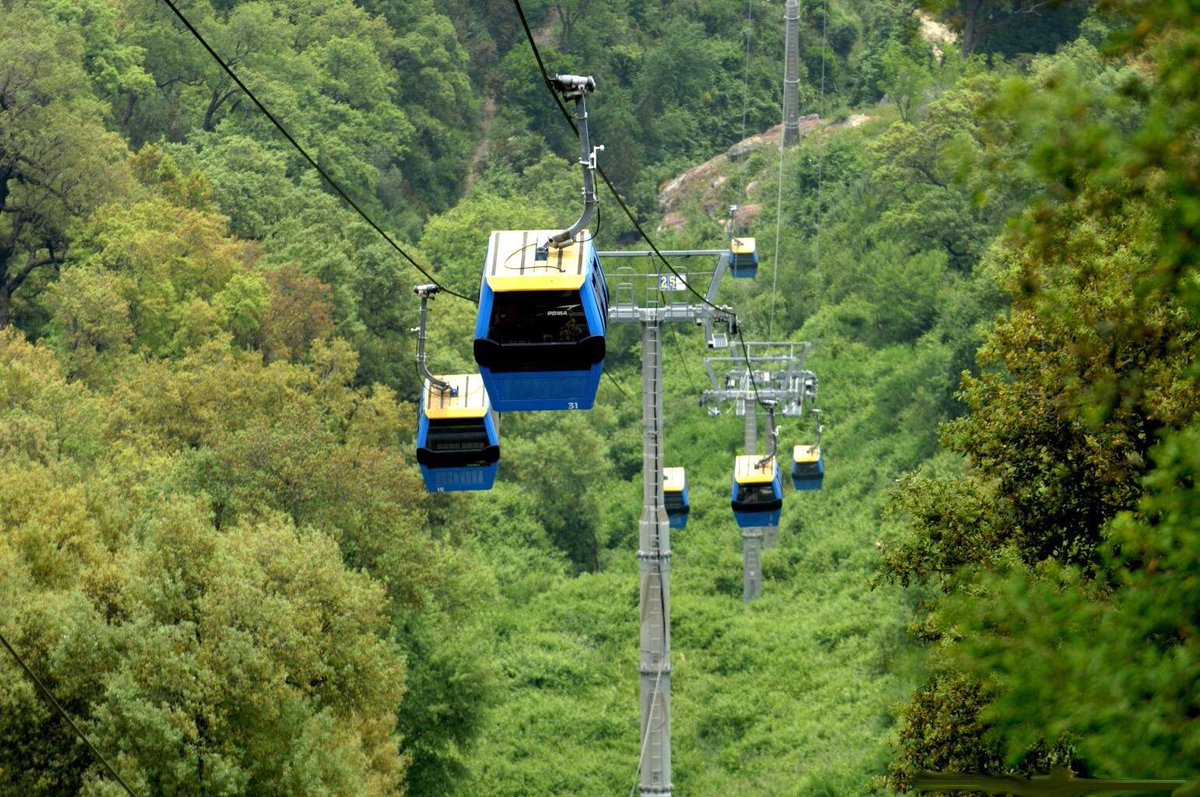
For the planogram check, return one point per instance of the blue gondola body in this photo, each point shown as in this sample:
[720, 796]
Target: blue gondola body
[757, 492]
[539, 335]
[743, 258]
[808, 467]
[458, 437]
[675, 497]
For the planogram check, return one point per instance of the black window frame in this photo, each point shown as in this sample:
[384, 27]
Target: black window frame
[528, 322]
[440, 426]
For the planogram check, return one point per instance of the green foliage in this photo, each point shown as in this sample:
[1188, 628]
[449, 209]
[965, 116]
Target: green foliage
[171, 266]
[216, 547]
[1113, 668]
[564, 467]
[1002, 27]
[1077, 484]
[244, 557]
[57, 162]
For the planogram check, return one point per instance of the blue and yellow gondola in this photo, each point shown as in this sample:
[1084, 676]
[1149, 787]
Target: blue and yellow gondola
[808, 467]
[458, 436]
[757, 494]
[543, 312]
[675, 497]
[743, 258]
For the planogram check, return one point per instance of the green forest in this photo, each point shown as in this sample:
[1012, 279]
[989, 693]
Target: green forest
[217, 552]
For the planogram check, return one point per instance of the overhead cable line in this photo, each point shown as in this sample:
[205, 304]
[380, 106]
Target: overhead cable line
[779, 191]
[307, 157]
[616, 195]
[821, 139]
[750, 368]
[617, 385]
[63, 713]
[778, 229]
[746, 72]
[612, 189]
[686, 371]
[653, 247]
[645, 742]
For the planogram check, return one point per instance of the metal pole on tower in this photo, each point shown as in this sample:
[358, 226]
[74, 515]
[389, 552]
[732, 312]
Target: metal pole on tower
[654, 549]
[654, 572]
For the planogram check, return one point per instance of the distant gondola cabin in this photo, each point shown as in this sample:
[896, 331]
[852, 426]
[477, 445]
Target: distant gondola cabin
[757, 493]
[458, 437]
[743, 258]
[543, 312]
[675, 497]
[808, 467]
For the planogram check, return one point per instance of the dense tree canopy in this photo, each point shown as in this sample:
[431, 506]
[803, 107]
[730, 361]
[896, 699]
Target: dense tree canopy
[216, 549]
[1050, 544]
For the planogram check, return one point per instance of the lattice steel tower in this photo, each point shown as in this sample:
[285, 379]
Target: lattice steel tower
[791, 73]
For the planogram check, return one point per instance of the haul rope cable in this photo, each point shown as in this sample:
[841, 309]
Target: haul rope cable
[646, 741]
[63, 712]
[346, 197]
[322, 172]
[778, 228]
[746, 71]
[821, 138]
[616, 195]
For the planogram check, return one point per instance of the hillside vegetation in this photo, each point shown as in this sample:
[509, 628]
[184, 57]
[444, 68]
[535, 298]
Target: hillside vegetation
[216, 550]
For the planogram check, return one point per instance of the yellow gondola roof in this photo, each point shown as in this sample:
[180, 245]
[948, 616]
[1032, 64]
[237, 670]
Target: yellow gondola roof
[742, 246]
[674, 480]
[806, 454]
[471, 401]
[511, 263]
[746, 470]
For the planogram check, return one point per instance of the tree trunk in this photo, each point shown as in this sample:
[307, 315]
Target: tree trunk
[213, 104]
[127, 114]
[217, 100]
[6, 253]
[972, 22]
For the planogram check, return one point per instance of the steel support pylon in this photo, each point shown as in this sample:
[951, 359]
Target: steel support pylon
[654, 549]
[791, 73]
[654, 573]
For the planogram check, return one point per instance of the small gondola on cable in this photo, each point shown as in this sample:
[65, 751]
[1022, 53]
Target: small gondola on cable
[543, 302]
[757, 493]
[675, 497]
[458, 431]
[743, 258]
[808, 464]
[808, 467]
[458, 435]
[543, 312]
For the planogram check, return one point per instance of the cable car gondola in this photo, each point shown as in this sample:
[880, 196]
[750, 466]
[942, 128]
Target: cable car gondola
[757, 494]
[808, 467]
[743, 258]
[458, 436]
[543, 312]
[675, 497]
